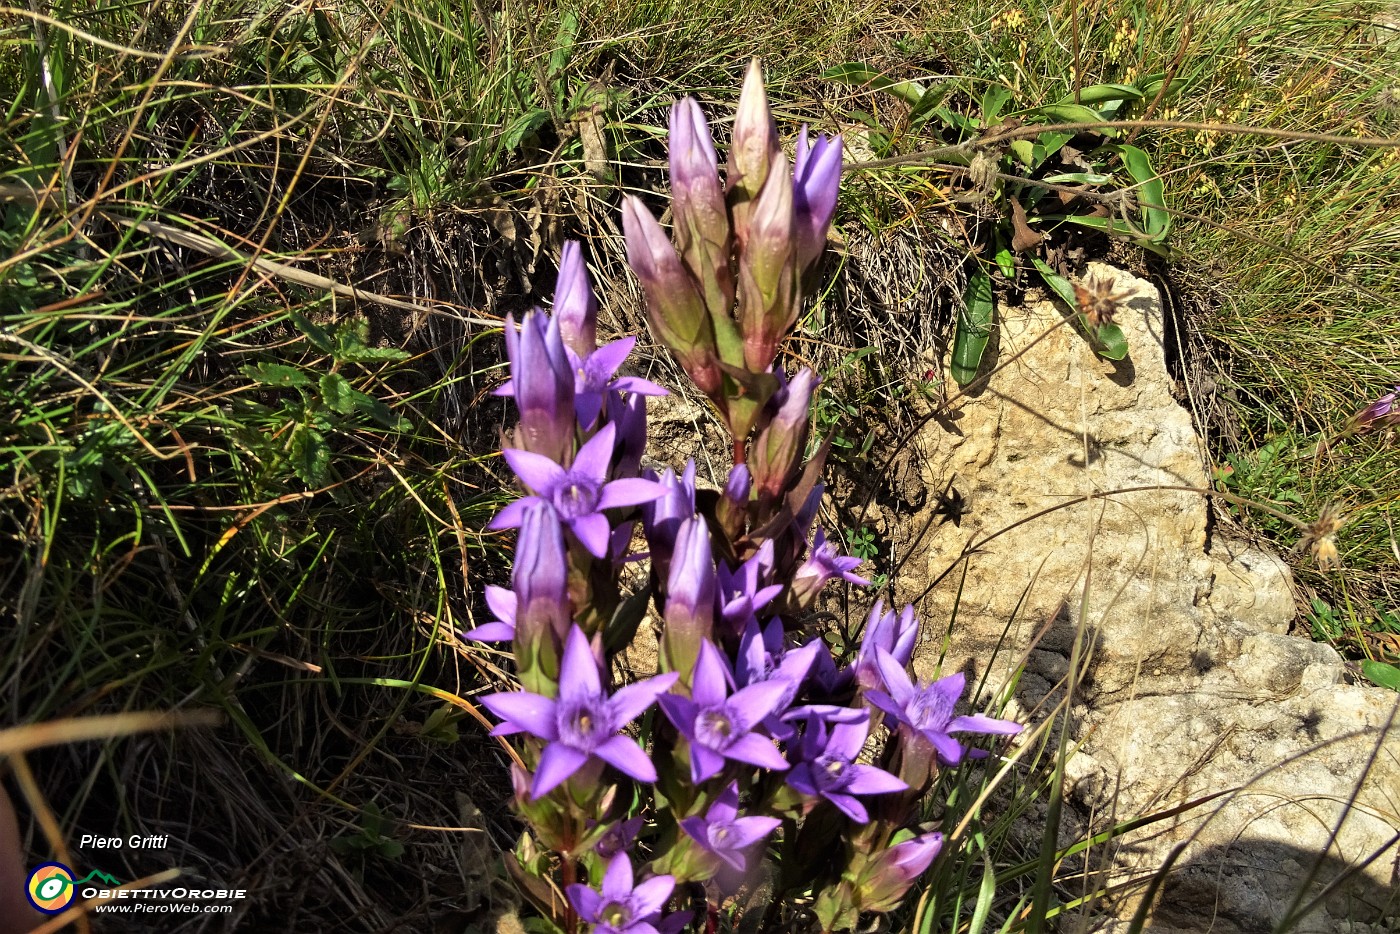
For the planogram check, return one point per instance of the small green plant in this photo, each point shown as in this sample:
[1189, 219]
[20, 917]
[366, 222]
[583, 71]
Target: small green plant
[370, 839]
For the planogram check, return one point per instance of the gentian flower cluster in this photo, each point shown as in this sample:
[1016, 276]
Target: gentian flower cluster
[663, 796]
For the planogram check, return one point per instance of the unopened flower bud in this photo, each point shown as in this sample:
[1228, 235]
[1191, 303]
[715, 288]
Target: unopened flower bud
[752, 150]
[697, 200]
[816, 177]
[894, 870]
[542, 382]
[734, 502]
[541, 584]
[777, 452]
[675, 310]
[768, 293]
[690, 597]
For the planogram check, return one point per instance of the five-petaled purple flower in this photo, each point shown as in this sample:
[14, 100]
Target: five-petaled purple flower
[622, 907]
[719, 725]
[828, 768]
[583, 722]
[724, 833]
[823, 563]
[594, 378]
[927, 709]
[579, 493]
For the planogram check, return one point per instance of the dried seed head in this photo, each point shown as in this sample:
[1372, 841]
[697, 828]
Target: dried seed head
[1320, 537]
[1098, 302]
[982, 172]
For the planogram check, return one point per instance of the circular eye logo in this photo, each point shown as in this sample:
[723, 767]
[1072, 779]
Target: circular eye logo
[50, 888]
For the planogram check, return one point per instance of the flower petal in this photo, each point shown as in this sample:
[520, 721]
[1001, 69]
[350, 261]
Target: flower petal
[593, 532]
[649, 897]
[628, 702]
[868, 780]
[512, 514]
[623, 754]
[746, 831]
[617, 880]
[756, 750]
[896, 680]
[705, 763]
[532, 713]
[680, 712]
[578, 669]
[977, 723]
[800, 780]
[585, 901]
[711, 681]
[726, 806]
[536, 471]
[697, 828]
[557, 763]
[491, 632]
[750, 705]
[593, 459]
[502, 602]
[604, 362]
[849, 806]
[949, 750]
[629, 491]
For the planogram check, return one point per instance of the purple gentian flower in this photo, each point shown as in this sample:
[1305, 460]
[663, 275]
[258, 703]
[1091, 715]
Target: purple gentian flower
[823, 564]
[622, 907]
[883, 632]
[502, 602]
[778, 449]
[690, 597]
[1383, 410]
[583, 722]
[733, 509]
[594, 379]
[580, 493]
[816, 175]
[719, 725]
[828, 768]
[927, 709]
[724, 833]
[542, 384]
[575, 308]
[629, 414]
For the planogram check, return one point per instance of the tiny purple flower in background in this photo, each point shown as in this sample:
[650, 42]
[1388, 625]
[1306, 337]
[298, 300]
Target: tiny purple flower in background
[542, 384]
[883, 632]
[580, 493]
[816, 177]
[618, 838]
[927, 709]
[575, 308]
[622, 907]
[823, 564]
[828, 768]
[719, 725]
[742, 592]
[583, 722]
[594, 379]
[1383, 411]
[724, 833]
[501, 629]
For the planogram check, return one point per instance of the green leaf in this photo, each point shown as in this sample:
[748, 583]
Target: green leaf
[337, 394]
[276, 374]
[563, 44]
[377, 410]
[1006, 263]
[1150, 193]
[1057, 283]
[1025, 152]
[1078, 178]
[1102, 93]
[860, 74]
[1113, 227]
[320, 338]
[1073, 113]
[928, 104]
[1115, 344]
[522, 127]
[1149, 85]
[1387, 676]
[310, 456]
[974, 327]
[993, 100]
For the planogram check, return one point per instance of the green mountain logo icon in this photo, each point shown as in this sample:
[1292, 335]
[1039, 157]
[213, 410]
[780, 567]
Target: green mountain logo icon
[100, 876]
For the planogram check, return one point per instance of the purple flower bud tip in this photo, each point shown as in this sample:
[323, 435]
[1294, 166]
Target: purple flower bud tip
[882, 631]
[927, 709]
[1383, 411]
[720, 725]
[542, 382]
[579, 494]
[574, 305]
[583, 722]
[905, 862]
[623, 906]
[724, 833]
